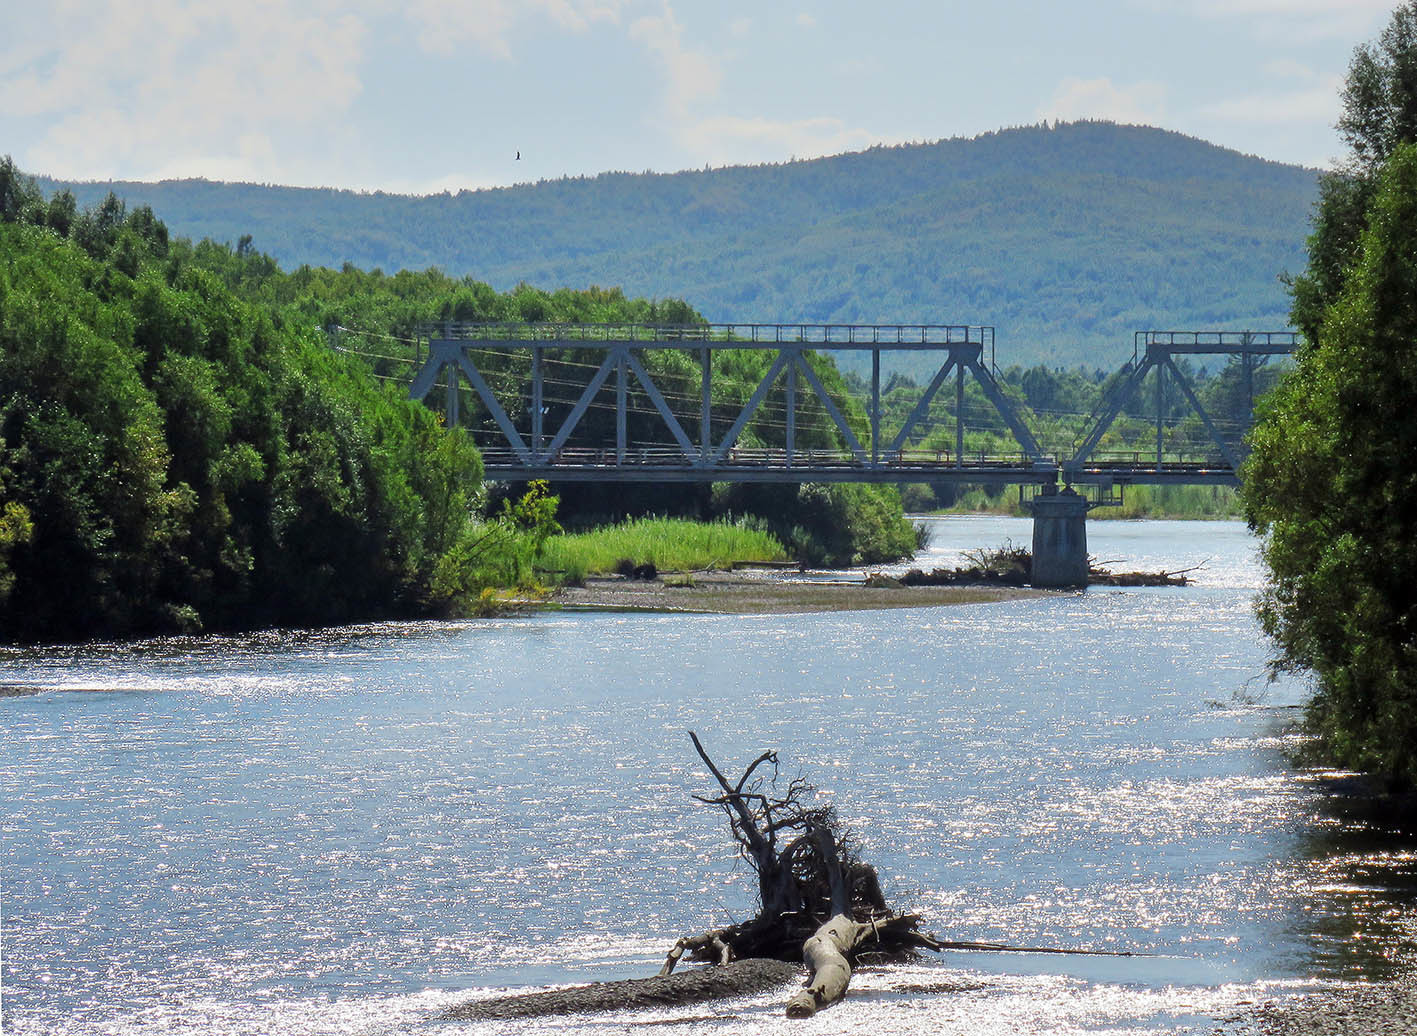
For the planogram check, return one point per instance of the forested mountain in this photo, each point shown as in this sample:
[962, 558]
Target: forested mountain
[1066, 239]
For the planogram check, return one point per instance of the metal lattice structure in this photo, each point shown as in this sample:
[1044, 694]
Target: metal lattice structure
[694, 444]
[1156, 352]
[526, 448]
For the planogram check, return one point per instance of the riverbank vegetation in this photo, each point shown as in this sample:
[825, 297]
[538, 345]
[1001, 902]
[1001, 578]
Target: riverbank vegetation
[192, 438]
[667, 544]
[175, 458]
[1333, 474]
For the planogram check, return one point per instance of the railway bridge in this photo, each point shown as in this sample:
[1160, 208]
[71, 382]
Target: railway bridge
[576, 402]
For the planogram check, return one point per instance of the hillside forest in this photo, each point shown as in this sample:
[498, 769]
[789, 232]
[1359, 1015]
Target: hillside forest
[1067, 238]
[185, 445]
[198, 439]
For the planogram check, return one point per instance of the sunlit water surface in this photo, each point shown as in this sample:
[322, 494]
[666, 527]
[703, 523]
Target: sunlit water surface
[348, 831]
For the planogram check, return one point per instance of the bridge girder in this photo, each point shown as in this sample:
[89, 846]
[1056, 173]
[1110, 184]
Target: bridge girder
[1156, 351]
[530, 455]
[525, 451]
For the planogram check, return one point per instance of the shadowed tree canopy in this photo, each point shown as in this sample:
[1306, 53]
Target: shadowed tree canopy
[1379, 114]
[1330, 485]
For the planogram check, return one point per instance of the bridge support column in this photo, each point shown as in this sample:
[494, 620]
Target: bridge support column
[1059, 538]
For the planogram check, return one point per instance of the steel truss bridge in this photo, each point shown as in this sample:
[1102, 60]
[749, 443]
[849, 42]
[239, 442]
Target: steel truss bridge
[684, 435]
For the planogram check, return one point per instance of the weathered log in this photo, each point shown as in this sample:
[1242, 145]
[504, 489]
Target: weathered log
[741, 978]
[828, 967]
[819, 902]
[716, 941]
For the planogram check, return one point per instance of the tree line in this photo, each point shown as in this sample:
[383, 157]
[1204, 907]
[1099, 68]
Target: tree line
[1332, 477]
[191, 439]
[1068, 238]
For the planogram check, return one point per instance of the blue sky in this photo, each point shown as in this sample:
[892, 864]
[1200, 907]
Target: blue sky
[426, 95]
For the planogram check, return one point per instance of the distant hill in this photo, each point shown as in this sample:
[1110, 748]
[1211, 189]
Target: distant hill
[1066, 240]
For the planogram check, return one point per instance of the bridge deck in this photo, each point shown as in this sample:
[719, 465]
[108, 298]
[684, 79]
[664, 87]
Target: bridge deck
[660, 464]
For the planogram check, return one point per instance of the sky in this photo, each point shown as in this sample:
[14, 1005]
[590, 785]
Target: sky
[422, 96]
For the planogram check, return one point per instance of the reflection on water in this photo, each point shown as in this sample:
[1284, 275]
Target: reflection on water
[1357, 921]
[347, 831]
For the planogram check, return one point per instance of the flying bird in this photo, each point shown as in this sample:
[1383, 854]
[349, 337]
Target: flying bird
[519, 156]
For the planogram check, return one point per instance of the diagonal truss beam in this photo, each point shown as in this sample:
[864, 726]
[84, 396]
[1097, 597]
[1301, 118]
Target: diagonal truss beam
[995, 395]
[1121, 395]
[655, 397]
[832, 411]
[610, 363]
[1190, 394]
[427, 375]
[751, 407]
[962, 360]
[922, 407]
[454, 357]
[484, 392]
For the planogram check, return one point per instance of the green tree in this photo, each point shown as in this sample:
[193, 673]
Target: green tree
[1379, 114]
[1330, 485]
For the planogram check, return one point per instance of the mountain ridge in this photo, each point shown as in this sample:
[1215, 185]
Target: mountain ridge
[1066, 239]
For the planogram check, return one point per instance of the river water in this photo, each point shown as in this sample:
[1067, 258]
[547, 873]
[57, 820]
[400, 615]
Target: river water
[347, 831]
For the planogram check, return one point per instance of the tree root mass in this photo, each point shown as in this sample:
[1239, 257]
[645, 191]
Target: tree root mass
[819, 902]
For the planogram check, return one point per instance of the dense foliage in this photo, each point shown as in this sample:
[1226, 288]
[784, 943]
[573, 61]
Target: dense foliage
[1379, 114]
[1331, 481]
[1067, 239]
[173, 457]
[182, 448]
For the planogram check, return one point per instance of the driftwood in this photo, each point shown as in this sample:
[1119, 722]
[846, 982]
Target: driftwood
[974, 575]
[696, 985]
[819, 903]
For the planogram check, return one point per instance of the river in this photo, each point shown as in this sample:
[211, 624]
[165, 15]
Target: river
[346, 831]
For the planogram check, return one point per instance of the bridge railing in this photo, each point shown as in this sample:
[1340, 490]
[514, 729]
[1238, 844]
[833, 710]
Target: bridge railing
[767, 456]
[1218, 342]
[1147, 459]
[693, 336]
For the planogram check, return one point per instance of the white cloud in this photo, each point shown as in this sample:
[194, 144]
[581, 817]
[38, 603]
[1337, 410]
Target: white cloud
[806, 21]
[447, 25]
[1288, 68]
[692, 75]
[1074, 98]
[123, 86]
[740, 27]
[1319, 104]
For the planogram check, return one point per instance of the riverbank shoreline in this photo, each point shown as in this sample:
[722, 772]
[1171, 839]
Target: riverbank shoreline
[738, 593]
[1384, 1008]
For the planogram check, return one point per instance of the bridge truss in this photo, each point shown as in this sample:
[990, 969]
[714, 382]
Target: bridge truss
[681, 434]
[1154, 354]
[688, 446]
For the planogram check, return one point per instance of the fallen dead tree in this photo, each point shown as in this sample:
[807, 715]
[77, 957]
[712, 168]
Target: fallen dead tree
[818, 901]
[1012, 566]
[819, 904]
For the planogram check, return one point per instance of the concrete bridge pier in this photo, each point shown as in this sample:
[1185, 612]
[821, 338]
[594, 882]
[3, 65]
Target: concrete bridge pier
[1059, 537]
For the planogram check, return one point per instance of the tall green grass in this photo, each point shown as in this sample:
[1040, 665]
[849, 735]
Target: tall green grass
[670, 544]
